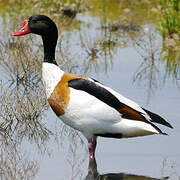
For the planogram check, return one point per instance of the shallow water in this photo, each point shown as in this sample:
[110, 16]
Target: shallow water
[36, 145]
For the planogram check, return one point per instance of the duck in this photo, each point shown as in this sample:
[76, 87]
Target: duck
[84, 103]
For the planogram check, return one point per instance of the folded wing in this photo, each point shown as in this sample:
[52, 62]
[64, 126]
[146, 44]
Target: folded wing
[127, 108]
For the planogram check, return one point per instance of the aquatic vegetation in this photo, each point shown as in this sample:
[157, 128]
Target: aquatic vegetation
[169, 17]
[169, 28]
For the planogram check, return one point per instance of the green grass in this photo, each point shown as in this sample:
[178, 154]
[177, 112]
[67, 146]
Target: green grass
[16, 7]
[170, 17]
[170, 29]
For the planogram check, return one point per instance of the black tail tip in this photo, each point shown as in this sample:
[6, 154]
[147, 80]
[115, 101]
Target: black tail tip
[164, 178]
[164, 133]
[169, 125]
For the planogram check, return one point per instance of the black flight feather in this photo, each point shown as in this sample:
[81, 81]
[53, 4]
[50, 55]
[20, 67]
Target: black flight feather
[157, 119]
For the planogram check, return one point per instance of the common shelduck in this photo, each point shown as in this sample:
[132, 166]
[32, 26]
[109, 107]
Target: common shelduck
[84, 103]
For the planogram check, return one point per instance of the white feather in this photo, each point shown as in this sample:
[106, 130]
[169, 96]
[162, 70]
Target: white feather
[89, 115]
[51, 75]
[125, 100]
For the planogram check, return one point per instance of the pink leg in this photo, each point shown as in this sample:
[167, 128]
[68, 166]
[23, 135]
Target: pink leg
[92, 169]
[92, 147]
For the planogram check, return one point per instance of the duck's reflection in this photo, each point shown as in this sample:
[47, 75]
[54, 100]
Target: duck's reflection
[94, 175]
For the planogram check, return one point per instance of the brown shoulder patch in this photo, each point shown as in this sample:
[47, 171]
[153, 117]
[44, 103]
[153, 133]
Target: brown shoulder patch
[60, 97]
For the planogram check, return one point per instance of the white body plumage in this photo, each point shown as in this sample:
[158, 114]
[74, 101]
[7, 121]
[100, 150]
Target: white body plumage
[90, 115]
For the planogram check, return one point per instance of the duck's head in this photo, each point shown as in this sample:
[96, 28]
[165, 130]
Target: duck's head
[37, 24]
[46, 28]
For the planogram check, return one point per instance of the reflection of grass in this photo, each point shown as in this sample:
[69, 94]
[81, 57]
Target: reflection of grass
[148, 72]
[170, 168]
[16, 165]
[76, 158]
[99, 50]
[22, 99]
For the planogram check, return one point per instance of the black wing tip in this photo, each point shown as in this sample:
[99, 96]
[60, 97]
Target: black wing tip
[169, 125]
[163, 122]
[157, 119]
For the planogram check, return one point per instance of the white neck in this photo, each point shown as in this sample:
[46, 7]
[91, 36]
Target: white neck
[51, 75]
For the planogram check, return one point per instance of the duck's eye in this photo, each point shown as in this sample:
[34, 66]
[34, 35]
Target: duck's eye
[34, 21]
